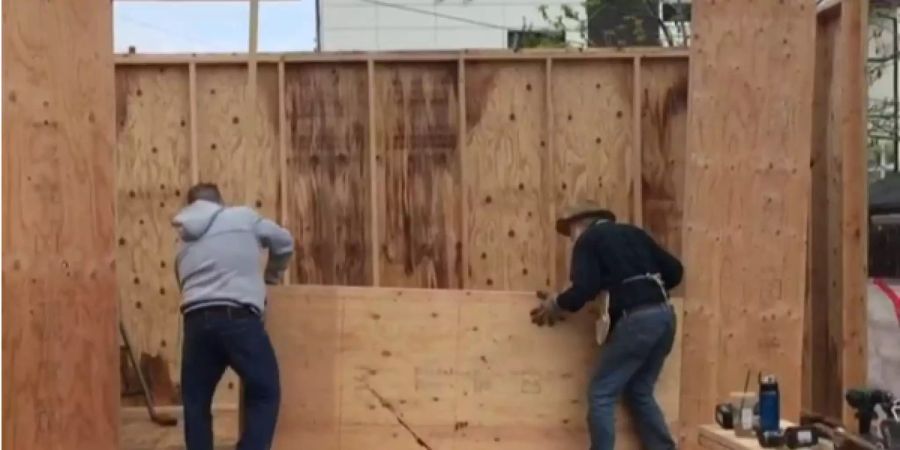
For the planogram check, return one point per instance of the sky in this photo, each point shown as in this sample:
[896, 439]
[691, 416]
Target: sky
[208, 26]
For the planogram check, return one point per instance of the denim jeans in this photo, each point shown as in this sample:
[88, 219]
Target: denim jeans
[630, 363]
[211, 344]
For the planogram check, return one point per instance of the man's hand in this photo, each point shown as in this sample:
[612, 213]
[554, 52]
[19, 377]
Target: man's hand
[548, 313]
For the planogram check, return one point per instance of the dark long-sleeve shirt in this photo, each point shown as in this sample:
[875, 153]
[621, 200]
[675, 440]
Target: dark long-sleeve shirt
[608, 253]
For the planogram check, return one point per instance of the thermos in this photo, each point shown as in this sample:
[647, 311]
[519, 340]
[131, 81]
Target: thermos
[769, 404]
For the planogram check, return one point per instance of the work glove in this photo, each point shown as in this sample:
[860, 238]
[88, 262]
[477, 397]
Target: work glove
[548, 312]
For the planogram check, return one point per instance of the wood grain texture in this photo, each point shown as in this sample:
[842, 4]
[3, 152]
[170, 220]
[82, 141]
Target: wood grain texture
[824, 238]
[418, 175]
[663, 144]
[836, 337]
[746, 209]
[510, 231]
[329, 205]
[242, 158]
[60, 359]
[593, 141]
[153, 176]
[461, 369]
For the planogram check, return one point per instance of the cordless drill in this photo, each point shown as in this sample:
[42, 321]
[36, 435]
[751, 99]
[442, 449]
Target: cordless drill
[865, 402]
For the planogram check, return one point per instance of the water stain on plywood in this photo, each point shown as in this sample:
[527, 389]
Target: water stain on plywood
[327, 158]
[417, 157]
[663, 128]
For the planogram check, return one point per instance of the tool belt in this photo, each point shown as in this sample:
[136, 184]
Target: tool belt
[604, 324]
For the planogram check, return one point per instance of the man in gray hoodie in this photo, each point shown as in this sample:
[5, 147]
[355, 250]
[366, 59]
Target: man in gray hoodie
[224, 295]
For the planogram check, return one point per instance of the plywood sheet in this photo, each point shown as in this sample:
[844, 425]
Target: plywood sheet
[153, 175]
[825, 229]
[329, 208]
[237, 143]
[60, 371]
[664, 94]
[369, 368]
[592, 141]
[836, 336]
[509, 230]
[746, 208]
[418, 168]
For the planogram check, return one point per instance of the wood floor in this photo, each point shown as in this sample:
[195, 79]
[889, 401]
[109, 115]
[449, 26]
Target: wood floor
[139, 433]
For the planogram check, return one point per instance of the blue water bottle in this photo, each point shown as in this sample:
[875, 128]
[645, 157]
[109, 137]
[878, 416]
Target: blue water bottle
[769, 404]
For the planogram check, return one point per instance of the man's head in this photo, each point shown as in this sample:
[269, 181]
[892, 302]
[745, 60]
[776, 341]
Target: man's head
[577, 219]
[204, 191]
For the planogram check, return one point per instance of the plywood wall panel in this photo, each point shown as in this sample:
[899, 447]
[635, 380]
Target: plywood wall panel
[60, 371]
[825, 219]
[836, 337]
[664, 94]
[329, 208]
[237, 143]
[746, 209]
[454, 369]
[153, 175]
[592, 141]
[418, 175]
[509, 230]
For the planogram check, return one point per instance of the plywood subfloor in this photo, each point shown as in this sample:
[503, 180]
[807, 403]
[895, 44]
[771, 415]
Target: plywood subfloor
[365, 368]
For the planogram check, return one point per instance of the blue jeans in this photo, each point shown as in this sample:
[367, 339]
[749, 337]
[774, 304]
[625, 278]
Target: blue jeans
[213, 342]
[630, 363]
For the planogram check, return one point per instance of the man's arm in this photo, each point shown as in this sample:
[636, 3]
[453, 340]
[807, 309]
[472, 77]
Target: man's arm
[670, 267]
[588, 278]
[280, 244]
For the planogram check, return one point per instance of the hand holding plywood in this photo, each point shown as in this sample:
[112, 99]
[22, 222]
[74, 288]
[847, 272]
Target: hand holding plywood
[376, 368]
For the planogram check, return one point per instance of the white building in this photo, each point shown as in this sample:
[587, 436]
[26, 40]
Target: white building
[373, 25]
[431, 24]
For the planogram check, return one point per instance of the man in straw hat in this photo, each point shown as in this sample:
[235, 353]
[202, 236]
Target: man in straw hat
[626, 263]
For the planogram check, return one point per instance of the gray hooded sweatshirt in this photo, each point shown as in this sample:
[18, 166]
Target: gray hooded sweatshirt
[219, 259]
